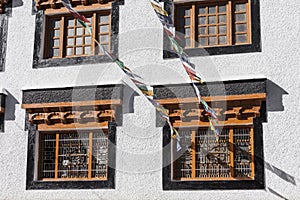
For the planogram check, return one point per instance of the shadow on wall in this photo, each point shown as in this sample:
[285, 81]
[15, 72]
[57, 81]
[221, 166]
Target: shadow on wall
[17, 3]
[275, 104]
[11, 102]
[276, 193]
[128, 99]
[274, 97]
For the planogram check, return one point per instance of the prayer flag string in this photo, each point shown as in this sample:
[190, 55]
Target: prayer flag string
[169, 28]
[145, 89]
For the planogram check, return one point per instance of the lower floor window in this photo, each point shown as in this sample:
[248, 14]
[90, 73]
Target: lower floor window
[231, 157]
[73, 155]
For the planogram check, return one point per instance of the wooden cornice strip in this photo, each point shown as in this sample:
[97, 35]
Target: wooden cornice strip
[230, 122]
[261, 96]
[73, 126]
[72, 104]
[80, 8]
[54, 4]
[75, 115]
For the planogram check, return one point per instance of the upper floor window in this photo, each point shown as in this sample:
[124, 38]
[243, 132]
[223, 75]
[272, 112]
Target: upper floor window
[66, 37]
[60, 40]
[219, 27]
[206, 24]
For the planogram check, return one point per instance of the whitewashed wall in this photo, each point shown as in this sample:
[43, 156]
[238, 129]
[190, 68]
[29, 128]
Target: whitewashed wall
[139, 176]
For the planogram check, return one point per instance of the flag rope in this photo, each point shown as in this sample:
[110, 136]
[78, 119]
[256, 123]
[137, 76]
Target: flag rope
[169, 28]
[145, 89]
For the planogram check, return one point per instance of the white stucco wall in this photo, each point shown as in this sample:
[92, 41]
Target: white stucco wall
[139, 175]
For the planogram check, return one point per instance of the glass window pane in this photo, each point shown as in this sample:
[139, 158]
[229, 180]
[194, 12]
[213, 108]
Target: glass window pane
[105, 47]
[202, 20]
[212, 10]
[222, 40]
[212, 19]
[87, 40]
[222, 9]
[104, 19]
[78, 23]
[212, 30]
[202, 41]
[55, 52]
[202, 10]
[103, 29]
[56, 33]
[79, 31]
[241, 38]
[87, 50]
[57, 23]
[222, 19]
[212, 41]
[104, 38]
[69, 51]
[187, 32]
[187, 12]
[202, 30]
[70, 32]
[240, 17]
[56, 43]
[71, 22]
[78, 50]
[70, 42]
[222, 29]
[89, 19]
[240, 27]
[240, 7]
[187, 42]
[78, 41]
[187, 21]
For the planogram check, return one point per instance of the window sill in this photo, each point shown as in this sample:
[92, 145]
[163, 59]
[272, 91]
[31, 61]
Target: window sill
[220, 50]
[58, 62]
[55, 185]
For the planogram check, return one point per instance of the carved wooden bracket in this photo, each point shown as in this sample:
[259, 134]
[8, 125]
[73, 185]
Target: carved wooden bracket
[66, 115]
[45, 4]
[231, 110]
[2, 2]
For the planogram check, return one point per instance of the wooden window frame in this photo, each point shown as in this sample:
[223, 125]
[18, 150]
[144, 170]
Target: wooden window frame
[51, 8]
[244, 105]
[33, 182]
[257, 183]
[63, 37]
[231, 155]
[254, 27]
[89, 155]
[230, 22]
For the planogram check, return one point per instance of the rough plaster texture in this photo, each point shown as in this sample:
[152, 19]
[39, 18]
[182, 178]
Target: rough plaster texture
[139, 157]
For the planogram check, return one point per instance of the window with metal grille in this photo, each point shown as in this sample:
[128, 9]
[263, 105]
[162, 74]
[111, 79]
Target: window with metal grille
[73, 156]
[66, 37]
[214, 23]
[231, 157]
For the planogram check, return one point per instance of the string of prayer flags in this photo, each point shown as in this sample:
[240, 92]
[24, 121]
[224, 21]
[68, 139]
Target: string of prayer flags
[168, 25]
[75, 14]
[146, 89]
